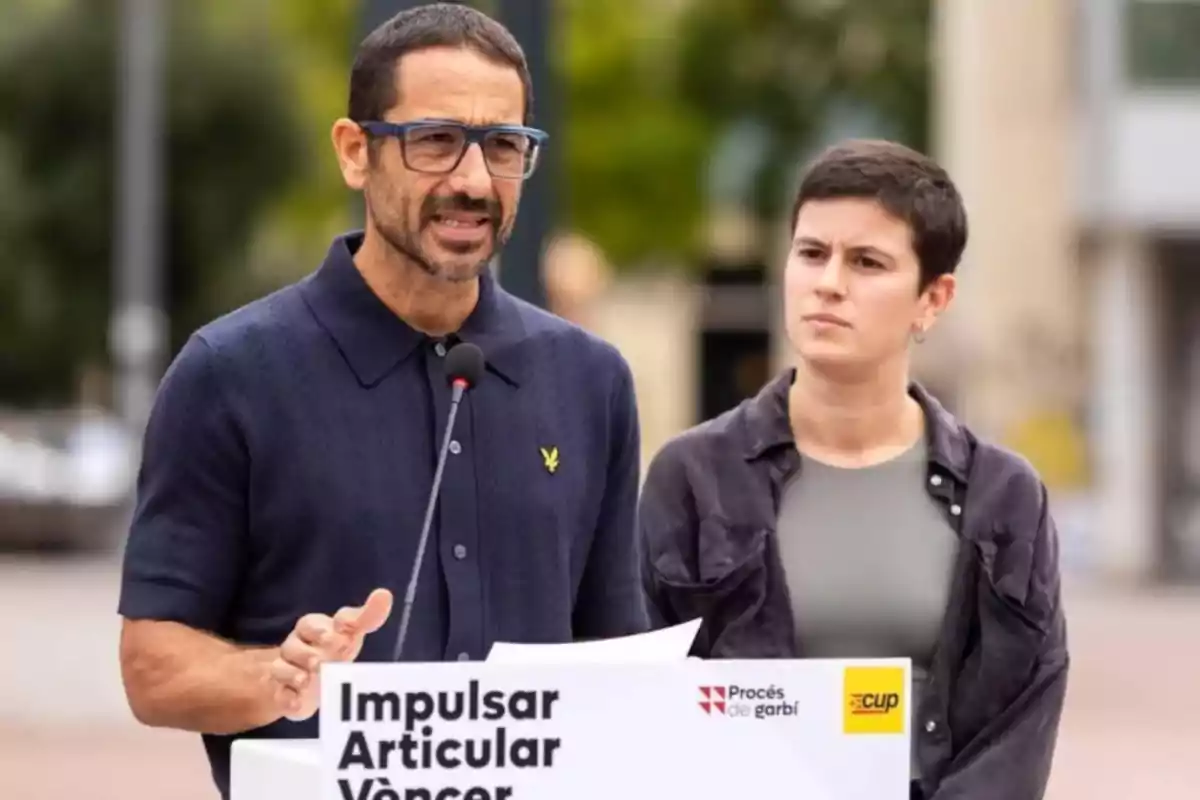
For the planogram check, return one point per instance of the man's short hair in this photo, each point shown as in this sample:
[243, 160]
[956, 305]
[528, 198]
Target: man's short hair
[907, 184]
[374, 76]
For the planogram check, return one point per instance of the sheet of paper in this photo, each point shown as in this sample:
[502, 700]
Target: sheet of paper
[654, 647]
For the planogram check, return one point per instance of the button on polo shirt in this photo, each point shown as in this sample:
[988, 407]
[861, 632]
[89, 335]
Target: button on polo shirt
[289, 456]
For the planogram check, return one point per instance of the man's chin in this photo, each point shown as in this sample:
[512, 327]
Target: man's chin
[459, 270]
[456, 265]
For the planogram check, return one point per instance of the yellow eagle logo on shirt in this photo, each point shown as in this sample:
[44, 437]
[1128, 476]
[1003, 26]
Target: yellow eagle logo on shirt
[549, 458]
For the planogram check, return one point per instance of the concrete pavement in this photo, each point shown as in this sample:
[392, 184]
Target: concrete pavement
[1131, 730]
[65, 730]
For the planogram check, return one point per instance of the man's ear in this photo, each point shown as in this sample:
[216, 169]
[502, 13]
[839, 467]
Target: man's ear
[352, 147]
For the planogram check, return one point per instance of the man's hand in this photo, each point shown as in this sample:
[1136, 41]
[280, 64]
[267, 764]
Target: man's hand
[316, 639]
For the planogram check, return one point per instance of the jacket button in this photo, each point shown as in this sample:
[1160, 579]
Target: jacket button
[956, 509]
[930, 726]
[936, 480]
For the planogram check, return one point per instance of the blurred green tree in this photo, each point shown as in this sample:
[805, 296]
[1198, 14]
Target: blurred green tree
[789, 65]
[317, 39]
[232, 145]
[652, 88]
[633, 151]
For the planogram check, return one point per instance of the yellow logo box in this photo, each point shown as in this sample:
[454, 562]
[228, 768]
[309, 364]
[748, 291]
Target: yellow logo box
[873, 700]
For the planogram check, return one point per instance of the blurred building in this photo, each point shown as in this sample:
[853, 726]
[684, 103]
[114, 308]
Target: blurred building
[1072, 126]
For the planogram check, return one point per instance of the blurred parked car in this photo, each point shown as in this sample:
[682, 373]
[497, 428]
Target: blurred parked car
[66, 479]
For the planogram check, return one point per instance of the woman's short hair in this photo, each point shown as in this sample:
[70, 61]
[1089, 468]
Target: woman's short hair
[907, 184]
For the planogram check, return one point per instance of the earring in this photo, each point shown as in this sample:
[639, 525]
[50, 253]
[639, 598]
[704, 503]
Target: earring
[918, 334]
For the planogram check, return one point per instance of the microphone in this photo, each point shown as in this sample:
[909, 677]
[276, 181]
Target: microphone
[464, 368]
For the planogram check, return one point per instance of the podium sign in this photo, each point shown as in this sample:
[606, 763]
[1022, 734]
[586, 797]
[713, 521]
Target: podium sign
[812, 729]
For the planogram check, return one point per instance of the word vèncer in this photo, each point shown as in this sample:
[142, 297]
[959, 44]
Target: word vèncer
[381, 789]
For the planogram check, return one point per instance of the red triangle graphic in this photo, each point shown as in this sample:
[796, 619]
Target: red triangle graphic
[719, 706]
[720, 690]
[706, 707]
[704, 690]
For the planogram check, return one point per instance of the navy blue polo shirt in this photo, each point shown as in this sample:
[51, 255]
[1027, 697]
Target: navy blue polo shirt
[289, 456]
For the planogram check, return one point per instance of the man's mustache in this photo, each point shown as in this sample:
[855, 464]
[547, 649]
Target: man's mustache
[466, 204]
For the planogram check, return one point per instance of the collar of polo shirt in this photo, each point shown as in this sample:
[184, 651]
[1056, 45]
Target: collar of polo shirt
[373, 340]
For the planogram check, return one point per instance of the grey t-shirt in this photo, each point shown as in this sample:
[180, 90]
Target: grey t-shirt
[868, 558]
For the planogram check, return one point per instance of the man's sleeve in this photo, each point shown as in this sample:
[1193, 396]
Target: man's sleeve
[186, 546]
[1010, 759]
[610, 600]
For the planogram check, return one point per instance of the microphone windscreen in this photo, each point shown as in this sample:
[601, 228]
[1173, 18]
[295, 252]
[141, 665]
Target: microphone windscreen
[464, 363]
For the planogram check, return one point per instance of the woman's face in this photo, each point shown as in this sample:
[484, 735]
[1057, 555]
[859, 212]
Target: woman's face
[851, 286]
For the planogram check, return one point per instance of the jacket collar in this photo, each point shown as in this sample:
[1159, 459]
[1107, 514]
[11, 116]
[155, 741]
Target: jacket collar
[768, 427]
[373, 340]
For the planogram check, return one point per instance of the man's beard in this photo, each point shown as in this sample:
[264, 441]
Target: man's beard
[407, 242]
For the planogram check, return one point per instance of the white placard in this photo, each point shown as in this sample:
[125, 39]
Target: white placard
[811, 729]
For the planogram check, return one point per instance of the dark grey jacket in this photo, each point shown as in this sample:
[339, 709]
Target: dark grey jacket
[989, 721]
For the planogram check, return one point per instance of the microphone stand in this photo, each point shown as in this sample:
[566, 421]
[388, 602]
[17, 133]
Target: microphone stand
[410, 594]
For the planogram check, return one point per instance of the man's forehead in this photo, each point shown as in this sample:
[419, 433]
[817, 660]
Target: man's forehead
[458, 83]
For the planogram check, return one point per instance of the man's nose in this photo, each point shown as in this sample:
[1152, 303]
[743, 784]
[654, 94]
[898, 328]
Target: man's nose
[471, 177]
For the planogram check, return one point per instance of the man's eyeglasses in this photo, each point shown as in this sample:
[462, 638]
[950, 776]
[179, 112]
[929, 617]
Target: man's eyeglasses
[437, 147]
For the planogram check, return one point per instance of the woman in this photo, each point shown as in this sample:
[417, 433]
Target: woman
[844, 513]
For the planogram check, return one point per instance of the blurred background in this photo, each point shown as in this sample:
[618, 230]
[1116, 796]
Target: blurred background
[163, 162]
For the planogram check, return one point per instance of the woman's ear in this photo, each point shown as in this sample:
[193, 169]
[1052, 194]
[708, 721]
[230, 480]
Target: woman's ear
[936, 298]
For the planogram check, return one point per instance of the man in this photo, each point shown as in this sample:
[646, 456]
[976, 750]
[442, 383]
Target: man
[291, 449]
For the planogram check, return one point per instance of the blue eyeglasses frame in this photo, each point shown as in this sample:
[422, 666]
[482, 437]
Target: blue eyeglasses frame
[472, 134]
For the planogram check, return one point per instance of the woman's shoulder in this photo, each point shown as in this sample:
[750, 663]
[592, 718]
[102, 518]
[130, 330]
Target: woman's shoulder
[1004, 490]
[746, 430]
[700, 447]
[984, 460]
[1008, 488]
